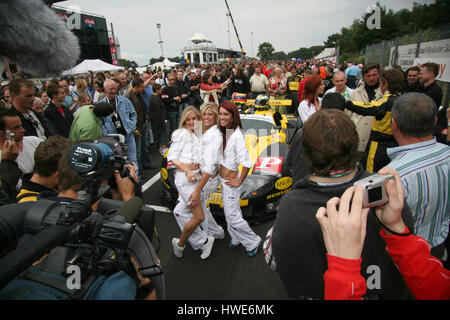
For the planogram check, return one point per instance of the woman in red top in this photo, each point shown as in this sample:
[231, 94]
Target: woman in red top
[208, 85]
[344, 230]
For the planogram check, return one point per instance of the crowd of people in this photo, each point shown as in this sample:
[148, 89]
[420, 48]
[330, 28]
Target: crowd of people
[354, 120]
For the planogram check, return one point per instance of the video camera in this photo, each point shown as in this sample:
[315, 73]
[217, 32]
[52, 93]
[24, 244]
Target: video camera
[98, 243]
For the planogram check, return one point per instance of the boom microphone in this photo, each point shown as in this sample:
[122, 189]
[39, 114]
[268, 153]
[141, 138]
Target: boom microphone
[131, 209]
[35, 38]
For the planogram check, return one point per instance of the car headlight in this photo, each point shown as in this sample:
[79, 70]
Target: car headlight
[256, 185]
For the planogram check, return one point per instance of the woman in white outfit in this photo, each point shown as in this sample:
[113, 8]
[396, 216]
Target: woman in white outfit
[234, 154]
[185, 154]
[211, 144]
[211, 154]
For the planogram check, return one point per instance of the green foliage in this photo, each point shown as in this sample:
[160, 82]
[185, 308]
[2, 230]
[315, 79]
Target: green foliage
[352, 40]
[127, 63]
[265, 51]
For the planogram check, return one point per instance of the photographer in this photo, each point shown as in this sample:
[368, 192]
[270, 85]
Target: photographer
[41, 281]
[344, 231]
[330, 144]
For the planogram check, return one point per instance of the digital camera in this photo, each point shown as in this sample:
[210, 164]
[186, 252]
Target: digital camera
[374, 190]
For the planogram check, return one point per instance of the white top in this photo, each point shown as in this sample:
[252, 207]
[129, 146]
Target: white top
[185, 147]
[306, 111]
[236, 152]
[211, 150]
[25, 160]
[258, 83]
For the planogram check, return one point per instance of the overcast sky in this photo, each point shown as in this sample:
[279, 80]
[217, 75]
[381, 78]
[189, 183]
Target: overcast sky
[287, 24]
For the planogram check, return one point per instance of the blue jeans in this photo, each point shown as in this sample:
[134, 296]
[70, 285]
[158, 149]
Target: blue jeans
[174, 120]
[159, 131]
[131, 149]
[145, 142]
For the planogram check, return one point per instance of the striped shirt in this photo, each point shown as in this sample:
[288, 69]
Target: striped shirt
[424, 170]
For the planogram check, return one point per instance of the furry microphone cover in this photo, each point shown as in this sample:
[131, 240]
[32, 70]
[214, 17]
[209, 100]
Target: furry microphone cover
[35, 38]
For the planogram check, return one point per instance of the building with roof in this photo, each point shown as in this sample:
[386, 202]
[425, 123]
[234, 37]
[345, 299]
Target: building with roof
[201, 50]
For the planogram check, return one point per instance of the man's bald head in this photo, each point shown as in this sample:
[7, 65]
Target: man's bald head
[339, 81]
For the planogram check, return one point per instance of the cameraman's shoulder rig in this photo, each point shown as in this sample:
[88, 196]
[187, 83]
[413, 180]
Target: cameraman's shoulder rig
[94, 261]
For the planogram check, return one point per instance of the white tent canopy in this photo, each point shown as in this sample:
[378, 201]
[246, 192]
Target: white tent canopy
[94, 65]
[164, 64]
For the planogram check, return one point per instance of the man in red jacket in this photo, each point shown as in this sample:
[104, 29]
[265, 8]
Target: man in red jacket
[344, 231]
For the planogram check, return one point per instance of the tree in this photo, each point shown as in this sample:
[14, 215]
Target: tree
[280, 55]
[265, 50]
[127, 63]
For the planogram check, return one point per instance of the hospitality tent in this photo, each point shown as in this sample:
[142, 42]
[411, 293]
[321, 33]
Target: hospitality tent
[94, 65]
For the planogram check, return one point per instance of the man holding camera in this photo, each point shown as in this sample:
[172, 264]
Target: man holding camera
[423, 165]
[122, 121]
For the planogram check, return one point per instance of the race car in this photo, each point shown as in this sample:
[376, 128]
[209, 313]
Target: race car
[267, 134]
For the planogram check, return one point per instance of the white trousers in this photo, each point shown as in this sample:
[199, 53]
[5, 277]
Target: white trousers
[237, 226]
[183, 214]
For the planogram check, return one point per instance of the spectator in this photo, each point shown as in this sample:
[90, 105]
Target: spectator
[60, 116]
[353, 75]
[44, 97]
[295, 164]
[328, 81]
[87, 124]
[81, 86]
[258, 83]
[7, 98]
[330, 147]
[344, 232]
[122, 121]
[157, 118]
[339, 81]
[412, 79]
[239, 83]
[391, 85]
[124, 85]
[160, 79]
[420, 158]
[183, 90]
[301, 87]
[311, 102]
[38, 106]
[193, 84]
[69, 102]
[428, 72]
[149, 81]
[172, 100]
[277, 85]
[209, 89]
[45, 175]
[369, 90]
[99, 92]
[135, 96]
[22, 94]
[19, 151]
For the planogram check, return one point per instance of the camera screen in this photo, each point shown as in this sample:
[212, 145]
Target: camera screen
[375, 194]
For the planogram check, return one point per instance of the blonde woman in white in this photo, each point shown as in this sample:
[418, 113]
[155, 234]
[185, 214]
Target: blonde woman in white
[185, 154]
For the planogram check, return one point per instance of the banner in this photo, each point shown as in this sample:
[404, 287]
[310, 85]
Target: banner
[433, 51]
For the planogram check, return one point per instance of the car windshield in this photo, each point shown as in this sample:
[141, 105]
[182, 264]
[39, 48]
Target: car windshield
[261, 127]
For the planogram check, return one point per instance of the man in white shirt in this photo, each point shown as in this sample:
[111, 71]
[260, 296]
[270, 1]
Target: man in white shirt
[339, 80]
[258, 83]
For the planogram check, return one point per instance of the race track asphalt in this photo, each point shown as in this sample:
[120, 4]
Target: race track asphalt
[228, 274]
